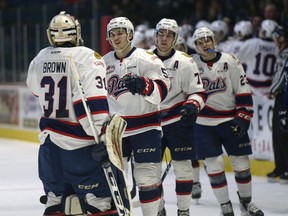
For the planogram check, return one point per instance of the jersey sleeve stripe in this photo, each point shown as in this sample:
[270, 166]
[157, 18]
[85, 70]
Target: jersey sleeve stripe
[163, 89]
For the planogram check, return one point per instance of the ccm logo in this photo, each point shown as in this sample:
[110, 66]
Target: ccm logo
[147, 150]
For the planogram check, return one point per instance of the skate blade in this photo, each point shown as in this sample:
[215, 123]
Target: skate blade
[272, 180]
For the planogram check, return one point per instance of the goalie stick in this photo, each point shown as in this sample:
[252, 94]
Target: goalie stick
[116, 126]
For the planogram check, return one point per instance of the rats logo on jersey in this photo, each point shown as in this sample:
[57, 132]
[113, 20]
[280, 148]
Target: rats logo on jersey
[116, 86]
[214, 86]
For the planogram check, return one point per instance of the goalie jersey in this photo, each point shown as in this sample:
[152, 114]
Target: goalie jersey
[63, 115]
[226, 86]
[142, 113]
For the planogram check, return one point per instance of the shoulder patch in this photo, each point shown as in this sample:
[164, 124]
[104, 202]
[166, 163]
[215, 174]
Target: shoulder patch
[97, 55]
[185, 54]
[149, 52]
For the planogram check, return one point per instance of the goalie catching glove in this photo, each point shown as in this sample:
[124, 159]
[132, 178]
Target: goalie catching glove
[189, 112]
[138, 84]
[283, 116]
[241, 122]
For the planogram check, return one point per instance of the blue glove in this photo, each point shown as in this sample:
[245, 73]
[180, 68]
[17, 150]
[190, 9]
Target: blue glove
[283, 116]
[241, 122]
[189, 112]
[138, 84]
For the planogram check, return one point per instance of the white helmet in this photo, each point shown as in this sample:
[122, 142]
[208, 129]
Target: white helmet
[201, 24]
[219, 26]
[203, 33]
[64, 28]
[169, 25]
[186, 31]
[120, 22]
[138, 37]
[141, 28]
[243, 29]
[181, 41]
[267, 27]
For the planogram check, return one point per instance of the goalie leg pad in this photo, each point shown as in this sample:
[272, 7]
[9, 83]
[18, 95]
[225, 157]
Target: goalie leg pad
[53, 204]
[72, 205]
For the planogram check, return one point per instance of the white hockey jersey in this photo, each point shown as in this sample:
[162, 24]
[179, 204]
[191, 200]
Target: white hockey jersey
[186, 84]
[64, 118]
[142, 113]
[258, 57]
[226, 86]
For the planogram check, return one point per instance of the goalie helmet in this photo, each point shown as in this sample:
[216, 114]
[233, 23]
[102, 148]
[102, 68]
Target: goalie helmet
[267, 27]
[64, 28]
[203, 33]
[120, 22]
[243, 30]
[169, 25]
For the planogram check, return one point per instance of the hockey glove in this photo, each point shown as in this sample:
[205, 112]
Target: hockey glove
[241, 122]
[138, 84]
[189, 112]
[283, 116]
[99, 152]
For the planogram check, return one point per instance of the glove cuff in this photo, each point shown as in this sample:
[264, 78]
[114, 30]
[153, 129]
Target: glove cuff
[245, 114]
[194, 102]
[149, 87]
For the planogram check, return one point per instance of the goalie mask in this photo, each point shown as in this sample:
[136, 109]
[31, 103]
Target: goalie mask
[64, 28]
[203, 33]
[169, 25]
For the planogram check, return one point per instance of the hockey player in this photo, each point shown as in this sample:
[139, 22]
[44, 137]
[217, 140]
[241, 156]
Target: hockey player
[224, 122]
[258, 56]
[179, 110]
[66, 165]
[221, 31]
[243, 30]
[137, 82]
[196, 189]
[277, 91]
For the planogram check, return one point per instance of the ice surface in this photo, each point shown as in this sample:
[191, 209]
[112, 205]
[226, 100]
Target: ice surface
[20, 187]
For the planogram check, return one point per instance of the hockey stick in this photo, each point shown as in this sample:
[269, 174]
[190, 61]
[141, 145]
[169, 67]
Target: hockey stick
[167, 167]
[133, 190]
[106, 165]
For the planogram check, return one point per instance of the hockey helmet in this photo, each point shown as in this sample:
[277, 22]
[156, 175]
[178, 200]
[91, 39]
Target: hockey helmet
[64, 28]
[203, 33]
[267, 27]
[120, 22]
[243, 29]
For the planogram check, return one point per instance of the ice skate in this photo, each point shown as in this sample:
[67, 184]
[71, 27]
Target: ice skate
[273, 177]
[183, 213]
[162, 212]
[248, 208]
[196, 191]
[284, 178]
[227, 209]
